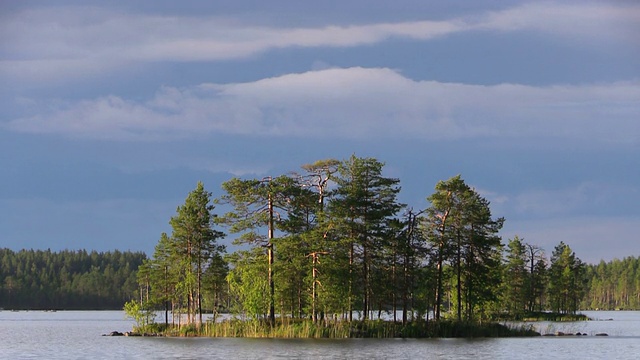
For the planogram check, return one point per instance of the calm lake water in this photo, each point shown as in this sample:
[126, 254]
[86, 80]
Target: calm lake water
[77, 335]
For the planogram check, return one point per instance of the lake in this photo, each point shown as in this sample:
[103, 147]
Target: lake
[77, 335]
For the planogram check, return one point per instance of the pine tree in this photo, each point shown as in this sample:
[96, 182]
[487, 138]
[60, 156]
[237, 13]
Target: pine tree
[258, 204]
[566, 282]
[515, 277]
[462, 233]
[195, 244]
[363, 205]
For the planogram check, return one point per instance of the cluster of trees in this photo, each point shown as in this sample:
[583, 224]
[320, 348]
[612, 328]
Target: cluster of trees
[329, 242]
[334, 242]
[613, 285]
[187, 268]
[531, 284]
[36, 279]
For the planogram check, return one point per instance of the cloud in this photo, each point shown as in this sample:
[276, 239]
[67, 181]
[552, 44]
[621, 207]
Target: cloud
[355, 103]
[107, 117]
[586, 22]
[50, 43]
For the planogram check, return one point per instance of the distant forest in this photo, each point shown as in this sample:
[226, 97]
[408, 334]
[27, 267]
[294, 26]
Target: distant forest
[36, 279]
[70, 280]
[613, 285]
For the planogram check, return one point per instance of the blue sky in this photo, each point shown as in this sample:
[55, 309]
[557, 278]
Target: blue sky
[110, 112]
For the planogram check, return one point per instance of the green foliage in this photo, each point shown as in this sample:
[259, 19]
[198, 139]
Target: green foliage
[514, 294]
[69, 280]
[258, 204]
[361, 210]
[247, 283]
[187, 270]
[613, 285]
[567, 280]
[462, 234]
[141, 314]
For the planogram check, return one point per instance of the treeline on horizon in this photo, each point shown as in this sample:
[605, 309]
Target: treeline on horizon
[26, 279]
[613, 285]
[334, 243]
[69, 280]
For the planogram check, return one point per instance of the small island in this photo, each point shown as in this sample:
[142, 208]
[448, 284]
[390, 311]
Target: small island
[378, 329]
[331, 252]
[327, 252]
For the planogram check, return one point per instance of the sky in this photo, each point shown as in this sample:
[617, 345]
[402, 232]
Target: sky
[111, 112]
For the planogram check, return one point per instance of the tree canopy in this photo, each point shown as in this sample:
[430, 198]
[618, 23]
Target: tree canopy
[330, 242]
[333, 242]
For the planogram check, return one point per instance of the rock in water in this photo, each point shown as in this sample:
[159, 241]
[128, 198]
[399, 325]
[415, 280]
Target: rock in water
[114, 333]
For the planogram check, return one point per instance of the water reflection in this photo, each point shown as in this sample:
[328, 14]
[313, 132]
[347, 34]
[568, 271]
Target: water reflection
[76, 335]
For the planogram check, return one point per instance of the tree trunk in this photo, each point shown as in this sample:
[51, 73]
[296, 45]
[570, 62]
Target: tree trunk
[272, 310]
[166, 300]
[350, 310]
[439, 284]
[198, 290]
[459, 275]
[314, 316]
[365, 293]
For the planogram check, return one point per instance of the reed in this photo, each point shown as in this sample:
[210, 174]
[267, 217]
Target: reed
[343, 329]
[543, 316]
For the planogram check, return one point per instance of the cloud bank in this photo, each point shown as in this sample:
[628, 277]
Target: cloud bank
[50, 44]
[353, 103]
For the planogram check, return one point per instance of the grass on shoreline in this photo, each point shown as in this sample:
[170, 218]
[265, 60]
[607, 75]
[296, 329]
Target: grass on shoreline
[545, 316]
[343, 329]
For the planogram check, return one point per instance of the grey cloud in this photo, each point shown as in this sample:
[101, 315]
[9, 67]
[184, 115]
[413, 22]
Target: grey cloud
[355, 103]
[81, 41]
